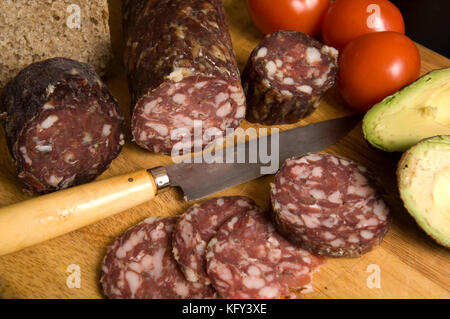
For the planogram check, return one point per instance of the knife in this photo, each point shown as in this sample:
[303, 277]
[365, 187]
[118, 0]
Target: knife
[41, 218]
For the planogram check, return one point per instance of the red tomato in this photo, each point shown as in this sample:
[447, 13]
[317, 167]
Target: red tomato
[376, 65]
[302, 15]
[348, 19]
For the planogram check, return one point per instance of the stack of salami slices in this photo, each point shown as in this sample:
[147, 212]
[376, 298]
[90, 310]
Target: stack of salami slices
[224, 247]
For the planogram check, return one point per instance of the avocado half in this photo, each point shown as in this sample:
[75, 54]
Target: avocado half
[424, 182]
[418, 111]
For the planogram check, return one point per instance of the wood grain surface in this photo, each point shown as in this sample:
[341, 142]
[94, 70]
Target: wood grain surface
[411, 264]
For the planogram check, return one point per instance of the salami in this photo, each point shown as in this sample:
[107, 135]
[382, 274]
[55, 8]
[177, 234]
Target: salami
[140, 265]
[248, 259]
[182, 73]
[285, 77]
[63, 126]
[329, 205]
[197, 226]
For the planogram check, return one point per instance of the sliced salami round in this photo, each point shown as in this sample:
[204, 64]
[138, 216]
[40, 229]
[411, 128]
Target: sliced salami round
[195, 83]
[197, 226]
[329, 205]
[63, 126]
[140, 265]
[285, 77]
[248, 259]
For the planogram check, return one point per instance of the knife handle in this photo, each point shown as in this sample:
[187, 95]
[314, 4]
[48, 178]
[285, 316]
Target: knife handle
[44, 217]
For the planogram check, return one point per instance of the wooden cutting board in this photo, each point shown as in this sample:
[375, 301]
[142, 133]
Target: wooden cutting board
[409, 264]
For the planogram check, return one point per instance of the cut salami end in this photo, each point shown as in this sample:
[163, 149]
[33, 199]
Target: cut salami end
[329, 205]
[63, 126]
[285, 77]
[140, 265]
[167, 116]
[197, 226]
[186, 47]
[248, 259]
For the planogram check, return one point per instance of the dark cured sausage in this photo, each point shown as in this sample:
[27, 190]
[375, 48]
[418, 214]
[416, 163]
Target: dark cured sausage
[248, 259]
[197, 226]
[139, 265]
[329, 205]
[181, 68]
[63, 127]
[285, 77]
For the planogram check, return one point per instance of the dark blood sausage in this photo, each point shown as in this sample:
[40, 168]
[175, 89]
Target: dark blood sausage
[63, 127]
[197, 226]
[181, 68]
[140, 265]
[248, 259]
[285, 77]
[329, 205]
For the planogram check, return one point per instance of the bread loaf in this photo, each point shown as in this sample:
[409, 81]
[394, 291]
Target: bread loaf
[33, 30]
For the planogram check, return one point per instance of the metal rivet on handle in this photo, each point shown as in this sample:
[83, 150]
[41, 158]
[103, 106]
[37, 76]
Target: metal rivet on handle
[160, 176]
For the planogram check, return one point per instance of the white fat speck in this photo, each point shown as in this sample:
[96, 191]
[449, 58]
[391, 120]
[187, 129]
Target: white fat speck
[354, 239]
[339, 242]
[50, 89]
[150, 106]
[179, 98]
[106, 131]
[121, 140]
[317, 171]
[268, 292]
[313, 157]
[344, 162]
[312, 55]
[335, 198]
[134, 282]
[273, 241]
[289, 81]
[367, 223]
[261, 53]
[366, 234]
[330, 51]
[221, 97]
[317, 194]
[27, 159]
[54, 180]
[87, 138]
[310, 221]
[178, 74]
[199, 85]
[328, 236]
[49, 121]
[74, 71]
[333, 160]
[305, 89]
[240, 112]
[242, 203]
[239, 98]
[271, 68]
[380, 209]
[161, 129]
[321, 80]
[286, 93]
[220, 202]
[48, 106]
[279, 63]
[224, 110]
[253, 282]
[44, 148]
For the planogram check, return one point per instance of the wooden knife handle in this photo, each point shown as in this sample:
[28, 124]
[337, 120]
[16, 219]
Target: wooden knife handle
[41, 218]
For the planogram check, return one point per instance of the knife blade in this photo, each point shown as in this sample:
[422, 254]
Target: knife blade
[45, 217]
[195, 178]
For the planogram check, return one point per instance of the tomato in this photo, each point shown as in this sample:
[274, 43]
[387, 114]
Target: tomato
[348, 19]
[376, 65]
[302, 15]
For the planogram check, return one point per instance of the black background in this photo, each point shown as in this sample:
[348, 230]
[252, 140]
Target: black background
[427, 22]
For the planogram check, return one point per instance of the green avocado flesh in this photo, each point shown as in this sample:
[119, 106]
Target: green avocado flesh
[418, 111]
[424, 183]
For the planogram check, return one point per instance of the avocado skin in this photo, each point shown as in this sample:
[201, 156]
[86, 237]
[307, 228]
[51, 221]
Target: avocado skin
[416, 213]
[394, 100]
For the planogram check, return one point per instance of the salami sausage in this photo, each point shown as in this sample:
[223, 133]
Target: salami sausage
[181, 70]
[140, 265]
[329, 205]
[285, 77]
[248, 259]
[197, 226]
[63, 126]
